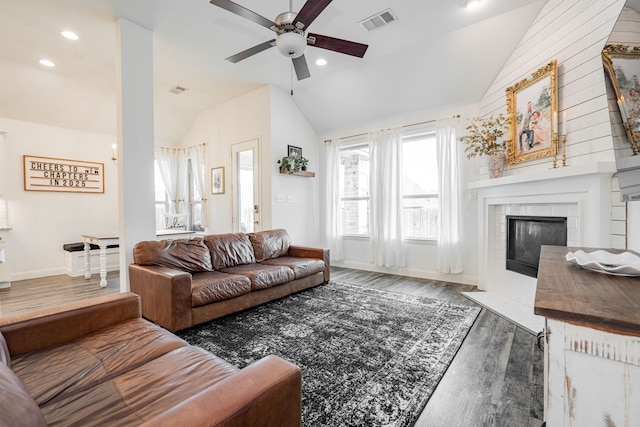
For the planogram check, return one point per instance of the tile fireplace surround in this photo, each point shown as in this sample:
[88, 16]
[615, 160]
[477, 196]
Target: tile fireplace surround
[581, 193]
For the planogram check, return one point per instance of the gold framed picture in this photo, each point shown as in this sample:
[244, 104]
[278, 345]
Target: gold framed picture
[217, 180]
[532, 107]
[622, 63]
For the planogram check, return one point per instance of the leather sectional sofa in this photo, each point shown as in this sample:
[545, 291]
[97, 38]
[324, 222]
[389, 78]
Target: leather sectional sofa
[98, 363]
[186, 282]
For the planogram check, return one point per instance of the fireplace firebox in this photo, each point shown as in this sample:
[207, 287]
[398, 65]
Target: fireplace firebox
[526, 235]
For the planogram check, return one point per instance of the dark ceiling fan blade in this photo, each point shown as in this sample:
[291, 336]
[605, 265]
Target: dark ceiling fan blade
[244, 12]
[310, 11]
[301, 67]
[251, 51]
[337, 45]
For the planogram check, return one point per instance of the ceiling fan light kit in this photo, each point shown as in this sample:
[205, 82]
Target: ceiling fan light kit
[291, 44]
[291, 40]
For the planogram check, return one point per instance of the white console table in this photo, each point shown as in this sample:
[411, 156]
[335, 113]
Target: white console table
[104, 240]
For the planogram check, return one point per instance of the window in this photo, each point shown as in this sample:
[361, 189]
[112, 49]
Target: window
[419, 180]
[194, 219]
[419, 186]
[354, 188]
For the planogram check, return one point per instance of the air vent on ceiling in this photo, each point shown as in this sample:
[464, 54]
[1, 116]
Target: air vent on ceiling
[177, 90]
[378, 20]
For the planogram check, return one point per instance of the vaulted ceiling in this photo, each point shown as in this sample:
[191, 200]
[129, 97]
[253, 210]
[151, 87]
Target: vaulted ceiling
[437, 53]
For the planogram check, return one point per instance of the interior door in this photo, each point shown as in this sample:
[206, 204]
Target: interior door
[246, 185]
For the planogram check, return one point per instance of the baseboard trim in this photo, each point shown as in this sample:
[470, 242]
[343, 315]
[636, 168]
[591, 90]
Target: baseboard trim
[410, 272]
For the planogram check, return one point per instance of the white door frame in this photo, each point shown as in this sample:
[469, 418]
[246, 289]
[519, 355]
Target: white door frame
[252, 144]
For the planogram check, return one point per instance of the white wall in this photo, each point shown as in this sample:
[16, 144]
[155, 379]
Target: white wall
[271, 116]
[299, 213]
[239, 120]
[42, 222]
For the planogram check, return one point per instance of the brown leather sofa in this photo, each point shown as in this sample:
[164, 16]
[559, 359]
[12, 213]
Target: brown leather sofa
[186, 282]
[98, 363]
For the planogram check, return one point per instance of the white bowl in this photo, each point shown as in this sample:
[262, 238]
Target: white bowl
[624, 264]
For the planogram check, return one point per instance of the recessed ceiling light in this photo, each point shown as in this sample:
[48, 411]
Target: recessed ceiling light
[321, 62]
[47, 63]
[471, 4]
[69, 35]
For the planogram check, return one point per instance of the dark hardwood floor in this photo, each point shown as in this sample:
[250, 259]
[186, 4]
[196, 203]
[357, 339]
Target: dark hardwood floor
[496, 379]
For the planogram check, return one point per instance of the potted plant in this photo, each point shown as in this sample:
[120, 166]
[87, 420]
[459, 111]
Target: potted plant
[484, 138]
[289, 164]
[302, 162]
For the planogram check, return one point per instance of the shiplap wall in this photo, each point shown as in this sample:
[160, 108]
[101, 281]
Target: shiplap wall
[573, 32]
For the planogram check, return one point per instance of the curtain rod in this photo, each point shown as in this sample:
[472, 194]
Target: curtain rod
[455, 116]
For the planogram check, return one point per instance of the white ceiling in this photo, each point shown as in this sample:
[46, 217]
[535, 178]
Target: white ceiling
[438, 53]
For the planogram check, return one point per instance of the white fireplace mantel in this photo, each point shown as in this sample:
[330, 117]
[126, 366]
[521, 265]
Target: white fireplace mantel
[582, 193]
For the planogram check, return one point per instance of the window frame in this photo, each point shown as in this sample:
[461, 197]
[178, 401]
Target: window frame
[421, 132]
[351, 143]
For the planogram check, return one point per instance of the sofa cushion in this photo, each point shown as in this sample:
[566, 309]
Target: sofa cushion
[5, 356]
[60, 371]
[215, 286]
[17, 407]
[302, 267]
[270, 244]
[263, 276]
[229, 250]
[141, 393]
[184, 254]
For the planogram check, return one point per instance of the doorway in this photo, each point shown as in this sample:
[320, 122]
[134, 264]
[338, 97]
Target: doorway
[245, 170]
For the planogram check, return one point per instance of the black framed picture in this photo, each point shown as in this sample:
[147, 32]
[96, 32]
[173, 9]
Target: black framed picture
[294, 151]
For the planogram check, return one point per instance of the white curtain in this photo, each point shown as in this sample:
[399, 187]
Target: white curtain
[168, 160]
[333, 222]
[197, 154]
[173, 166]
[449, 246]
[386, 197]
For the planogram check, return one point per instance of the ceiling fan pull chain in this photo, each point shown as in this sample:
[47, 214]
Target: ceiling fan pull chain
[291, 78]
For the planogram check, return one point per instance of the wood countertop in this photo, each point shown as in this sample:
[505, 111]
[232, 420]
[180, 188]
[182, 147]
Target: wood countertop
[570, 293]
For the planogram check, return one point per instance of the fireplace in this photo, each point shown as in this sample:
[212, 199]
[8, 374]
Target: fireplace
[525, 236]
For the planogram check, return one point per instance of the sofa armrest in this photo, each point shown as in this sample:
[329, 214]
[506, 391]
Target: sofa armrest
[42, 328]
[165, 293]
[304, 252]
[267, 393]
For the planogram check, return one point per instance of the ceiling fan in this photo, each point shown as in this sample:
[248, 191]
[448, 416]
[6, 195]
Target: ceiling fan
[292, 39]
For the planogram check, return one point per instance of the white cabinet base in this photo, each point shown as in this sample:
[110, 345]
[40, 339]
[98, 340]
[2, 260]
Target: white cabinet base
[592, 377]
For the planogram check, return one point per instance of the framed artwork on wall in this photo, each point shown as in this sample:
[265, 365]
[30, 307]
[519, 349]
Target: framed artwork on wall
[532, 107]
[622, 63]
[294, 151]
[217, 180]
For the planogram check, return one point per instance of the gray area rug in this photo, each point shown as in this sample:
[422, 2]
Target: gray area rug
[368, 357]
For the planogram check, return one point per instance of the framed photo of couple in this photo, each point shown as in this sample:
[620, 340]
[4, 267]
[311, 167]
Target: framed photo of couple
[532, 106]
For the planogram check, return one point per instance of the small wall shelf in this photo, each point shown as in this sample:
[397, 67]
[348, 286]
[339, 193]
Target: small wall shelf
[302, 173]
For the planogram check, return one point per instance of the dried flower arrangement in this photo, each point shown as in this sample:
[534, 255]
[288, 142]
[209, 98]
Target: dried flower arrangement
[485, 136]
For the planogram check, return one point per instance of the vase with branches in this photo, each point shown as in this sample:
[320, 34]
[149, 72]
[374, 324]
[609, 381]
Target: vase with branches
[485, 138]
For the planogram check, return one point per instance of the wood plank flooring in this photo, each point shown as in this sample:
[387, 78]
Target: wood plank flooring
[27, 295]
[495, 380]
